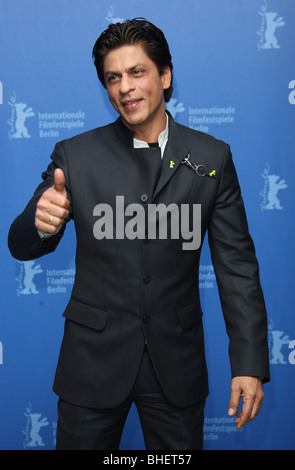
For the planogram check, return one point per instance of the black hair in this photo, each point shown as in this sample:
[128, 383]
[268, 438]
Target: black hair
[130, 32]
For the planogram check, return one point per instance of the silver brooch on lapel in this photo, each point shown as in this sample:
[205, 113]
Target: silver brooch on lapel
[201, 170]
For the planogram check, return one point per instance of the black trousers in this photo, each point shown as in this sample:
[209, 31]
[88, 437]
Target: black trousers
[164, 425]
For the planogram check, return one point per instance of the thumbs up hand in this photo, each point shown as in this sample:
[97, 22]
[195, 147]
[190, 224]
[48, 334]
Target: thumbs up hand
[52, 207]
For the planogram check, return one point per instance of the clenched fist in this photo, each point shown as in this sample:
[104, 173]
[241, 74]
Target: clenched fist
[52, 207]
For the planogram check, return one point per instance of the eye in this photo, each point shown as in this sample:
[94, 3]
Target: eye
[112, 78]
[137, 72]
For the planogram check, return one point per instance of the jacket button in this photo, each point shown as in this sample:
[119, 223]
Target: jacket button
[147, 279]
[146, 318]
[144, 198]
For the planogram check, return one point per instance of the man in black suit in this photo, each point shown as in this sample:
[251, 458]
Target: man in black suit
[133, 328]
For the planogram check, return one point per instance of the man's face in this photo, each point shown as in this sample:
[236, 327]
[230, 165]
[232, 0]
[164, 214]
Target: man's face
[135, 88]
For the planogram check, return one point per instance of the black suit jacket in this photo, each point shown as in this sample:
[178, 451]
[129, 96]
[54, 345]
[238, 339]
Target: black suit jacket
[128, 292]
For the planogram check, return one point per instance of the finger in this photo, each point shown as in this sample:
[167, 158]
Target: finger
[59, 180]
[251, 407]
[47, 227]
[258, 401]
[52, 203]
[54, 216]
[50, 220]
[244, 416]
[51, 198]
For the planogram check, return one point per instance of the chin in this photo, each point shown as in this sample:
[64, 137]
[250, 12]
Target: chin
[133, 121]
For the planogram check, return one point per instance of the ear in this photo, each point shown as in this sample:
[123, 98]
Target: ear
[166, 78]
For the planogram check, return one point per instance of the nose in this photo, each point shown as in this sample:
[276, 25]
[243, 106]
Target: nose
[126, 84]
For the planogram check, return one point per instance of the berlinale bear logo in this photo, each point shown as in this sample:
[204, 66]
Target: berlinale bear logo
[19, 114]
[272, 185]
[268, 27]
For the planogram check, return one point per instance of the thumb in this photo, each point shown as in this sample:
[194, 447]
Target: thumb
[234, 399]
[59, 180]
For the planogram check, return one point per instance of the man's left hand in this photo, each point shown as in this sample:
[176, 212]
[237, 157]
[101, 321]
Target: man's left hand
[250, 389]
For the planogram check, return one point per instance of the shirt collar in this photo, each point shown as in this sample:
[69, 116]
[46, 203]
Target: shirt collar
[162, 139]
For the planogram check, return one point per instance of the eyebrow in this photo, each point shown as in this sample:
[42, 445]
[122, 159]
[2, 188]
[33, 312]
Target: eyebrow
[140, 64]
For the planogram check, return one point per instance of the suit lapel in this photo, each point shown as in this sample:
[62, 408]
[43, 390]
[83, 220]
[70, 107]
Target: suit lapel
[175, 151]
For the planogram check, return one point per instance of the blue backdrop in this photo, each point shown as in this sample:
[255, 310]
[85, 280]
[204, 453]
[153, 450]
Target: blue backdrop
[234, 78]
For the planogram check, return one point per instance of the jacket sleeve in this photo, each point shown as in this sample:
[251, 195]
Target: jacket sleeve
[24, 241]
[237, 274]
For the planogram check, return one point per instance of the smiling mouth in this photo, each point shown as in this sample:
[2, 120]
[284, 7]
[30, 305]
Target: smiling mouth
[129, 105]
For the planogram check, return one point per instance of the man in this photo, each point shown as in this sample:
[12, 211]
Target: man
[133, 328]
